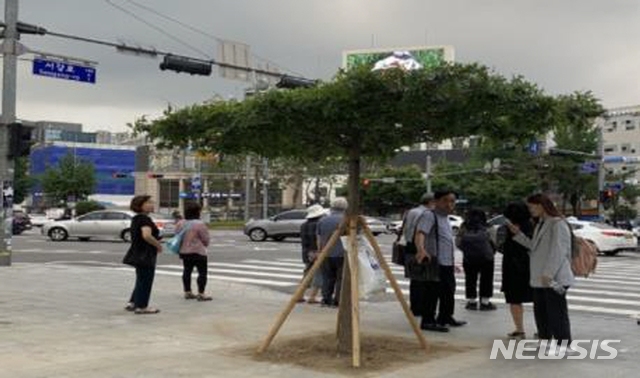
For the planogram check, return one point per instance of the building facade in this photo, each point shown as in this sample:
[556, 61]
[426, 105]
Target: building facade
[621, 136]
[114, 167]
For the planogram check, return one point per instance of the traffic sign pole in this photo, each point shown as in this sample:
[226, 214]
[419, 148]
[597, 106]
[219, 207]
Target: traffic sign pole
[9, 83]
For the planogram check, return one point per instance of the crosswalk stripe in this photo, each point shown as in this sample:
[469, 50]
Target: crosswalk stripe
[572, 307]
[242, 272]
[227, 278]
[611, 290]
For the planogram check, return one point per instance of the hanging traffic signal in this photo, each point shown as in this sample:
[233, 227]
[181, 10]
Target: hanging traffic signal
[184, 64]
[155, 175]
[606, 196]
[19, 140]
[292, 82]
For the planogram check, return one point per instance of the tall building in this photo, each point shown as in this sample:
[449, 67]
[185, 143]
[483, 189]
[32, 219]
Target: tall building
[108, 160]
[621, 135]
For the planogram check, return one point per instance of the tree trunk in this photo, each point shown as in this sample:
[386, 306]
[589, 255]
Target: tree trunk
[344, 330]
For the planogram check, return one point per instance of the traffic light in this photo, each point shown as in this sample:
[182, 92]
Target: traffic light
[292, 82]
[365, 183]
[19, 140]
[606, 196]
[119, 175]
[184, 64]
[155, 175]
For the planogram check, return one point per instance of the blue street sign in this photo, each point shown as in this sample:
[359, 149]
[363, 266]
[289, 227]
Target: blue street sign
[62, 70]
[614, 159]
[615, 186]
[196, 182]
[589, 167]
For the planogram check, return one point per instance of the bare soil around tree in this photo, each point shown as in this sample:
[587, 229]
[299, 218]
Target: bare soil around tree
[380, 353]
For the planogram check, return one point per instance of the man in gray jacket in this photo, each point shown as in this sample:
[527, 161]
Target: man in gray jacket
[332, 266]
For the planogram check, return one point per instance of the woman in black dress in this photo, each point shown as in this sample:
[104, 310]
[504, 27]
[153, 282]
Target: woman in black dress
[142, 254]
[515, 265]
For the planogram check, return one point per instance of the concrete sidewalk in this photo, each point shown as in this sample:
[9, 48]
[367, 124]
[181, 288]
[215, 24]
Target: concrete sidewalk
[69, 321]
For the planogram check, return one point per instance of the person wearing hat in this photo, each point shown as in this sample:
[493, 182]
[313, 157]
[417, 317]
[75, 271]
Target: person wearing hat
[308, 236]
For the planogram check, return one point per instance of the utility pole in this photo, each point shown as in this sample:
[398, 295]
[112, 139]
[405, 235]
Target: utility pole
[265, 189]
[428, 173]
[247, 188]
[9, 83]
[601, 171]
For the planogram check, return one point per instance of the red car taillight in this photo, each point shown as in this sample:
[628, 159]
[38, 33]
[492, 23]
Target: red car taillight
[618, 234]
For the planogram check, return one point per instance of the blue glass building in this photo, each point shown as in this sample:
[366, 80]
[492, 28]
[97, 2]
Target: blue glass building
[107, 160]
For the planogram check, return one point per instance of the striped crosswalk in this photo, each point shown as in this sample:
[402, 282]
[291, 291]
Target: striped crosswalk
[613, 290]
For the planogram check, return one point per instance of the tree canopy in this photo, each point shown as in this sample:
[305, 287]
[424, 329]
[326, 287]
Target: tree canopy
[70, 178]
[371, 112]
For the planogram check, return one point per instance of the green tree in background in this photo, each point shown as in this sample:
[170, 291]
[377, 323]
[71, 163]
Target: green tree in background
[575, 130]
[382, 198]
[70, 178]
[22, 182]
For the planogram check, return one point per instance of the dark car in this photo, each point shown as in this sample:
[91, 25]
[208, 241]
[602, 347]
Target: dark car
[20, 223]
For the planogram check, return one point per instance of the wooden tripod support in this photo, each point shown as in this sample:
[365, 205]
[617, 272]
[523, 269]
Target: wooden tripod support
[351, 264]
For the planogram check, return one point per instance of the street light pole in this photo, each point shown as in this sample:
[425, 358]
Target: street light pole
[265, 189]
[601, 171]
[9, 83]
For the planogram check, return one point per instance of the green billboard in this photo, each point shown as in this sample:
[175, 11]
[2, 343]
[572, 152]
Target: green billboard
[426, 56]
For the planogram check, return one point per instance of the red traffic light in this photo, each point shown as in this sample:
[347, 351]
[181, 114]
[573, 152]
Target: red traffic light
[366, 182]
[155, 175]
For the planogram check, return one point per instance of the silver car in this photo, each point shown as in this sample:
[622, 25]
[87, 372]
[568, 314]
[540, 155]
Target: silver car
[279, 227]
[104, 225]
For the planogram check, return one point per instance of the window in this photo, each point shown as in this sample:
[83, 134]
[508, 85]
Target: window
[115, 216]
[291, 215]
[629, 125]
[169, 193]
[92, 217]
[610, 148]
[626, 148]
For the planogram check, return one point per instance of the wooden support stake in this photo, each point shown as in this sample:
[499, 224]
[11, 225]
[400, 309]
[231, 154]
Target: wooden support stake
[302, 287]
[355, 300]
[394, 285]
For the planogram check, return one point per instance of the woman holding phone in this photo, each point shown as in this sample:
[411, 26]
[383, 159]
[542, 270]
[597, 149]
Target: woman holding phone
[550, 267]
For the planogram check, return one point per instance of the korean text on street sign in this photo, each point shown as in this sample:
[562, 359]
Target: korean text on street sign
[63, 70]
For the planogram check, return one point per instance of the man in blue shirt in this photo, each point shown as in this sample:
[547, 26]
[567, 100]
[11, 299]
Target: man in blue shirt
[332, 266]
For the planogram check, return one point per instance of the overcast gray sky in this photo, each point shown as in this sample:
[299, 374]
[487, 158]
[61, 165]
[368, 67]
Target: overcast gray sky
[562, 45]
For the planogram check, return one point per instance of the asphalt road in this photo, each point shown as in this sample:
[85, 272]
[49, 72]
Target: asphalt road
[226, 246]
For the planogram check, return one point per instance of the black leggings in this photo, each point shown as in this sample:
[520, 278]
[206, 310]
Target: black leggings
[189, 261]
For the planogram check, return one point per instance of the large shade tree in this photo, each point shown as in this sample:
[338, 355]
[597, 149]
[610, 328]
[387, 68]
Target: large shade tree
[362, 114]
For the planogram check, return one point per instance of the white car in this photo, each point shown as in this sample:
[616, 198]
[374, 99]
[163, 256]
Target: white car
[608, 239]
[39, 220]
[103, 224]
[377, 226]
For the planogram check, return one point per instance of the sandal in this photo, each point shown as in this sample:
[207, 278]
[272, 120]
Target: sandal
[203, 298]
[190, 295]
[146, 311]
[313, 301]
[130, 307]
[516, 335]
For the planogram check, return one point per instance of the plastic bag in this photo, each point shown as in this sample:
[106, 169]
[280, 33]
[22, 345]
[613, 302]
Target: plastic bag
[371, 278]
